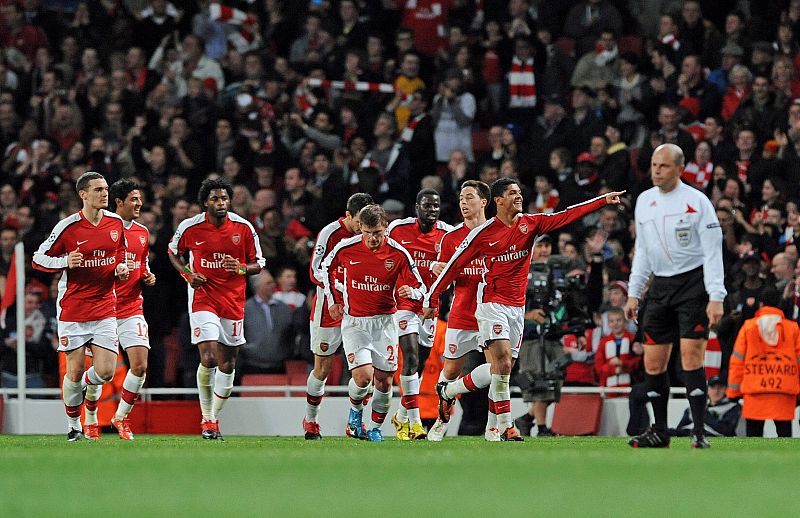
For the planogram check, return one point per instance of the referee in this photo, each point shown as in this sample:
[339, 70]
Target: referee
[679, 242]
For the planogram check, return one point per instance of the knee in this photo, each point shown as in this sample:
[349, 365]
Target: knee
[207, 360]
[362, 377]
[410, 363]
[74, 375]
[139, 368]
[503, 365]
[104, 373]
[383, 384]
[225, 366]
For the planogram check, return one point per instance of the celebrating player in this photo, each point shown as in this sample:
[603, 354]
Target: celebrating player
[505, 243]
[88, 248]
[421, 236]
[126, 198]
[373, 266]
[462, 334]
[223, 249]
[326, 333]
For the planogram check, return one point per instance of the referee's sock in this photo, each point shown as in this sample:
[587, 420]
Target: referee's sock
[697, 394]
[657, 386]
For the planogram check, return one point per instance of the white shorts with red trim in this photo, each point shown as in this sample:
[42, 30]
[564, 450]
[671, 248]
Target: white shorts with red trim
[370, 340]
[501, 322]
[325, 341]
[409, 323]
[102, 333]
[133, 332]
[458, 342]
[206, 326]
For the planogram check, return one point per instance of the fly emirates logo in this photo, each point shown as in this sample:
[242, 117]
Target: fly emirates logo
[216, 262]
[130, 258]
[474, 268]
[97, 259]
[369, 284]
[512, 255]
[422, 260]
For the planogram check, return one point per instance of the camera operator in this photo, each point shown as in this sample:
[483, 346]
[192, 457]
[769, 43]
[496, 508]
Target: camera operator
[556, 306]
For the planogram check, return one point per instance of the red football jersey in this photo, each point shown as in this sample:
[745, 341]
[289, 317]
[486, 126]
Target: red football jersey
[465, 301]
[85, 293]
[224, 293]
[370, 279]
[424, 248]
[129, 292]
[327, 239]
[507, 253]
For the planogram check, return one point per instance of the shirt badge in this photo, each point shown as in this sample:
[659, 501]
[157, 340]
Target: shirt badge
[389, 264]
[142, 240]
[114, 235]
[523, 228]
[236, 238]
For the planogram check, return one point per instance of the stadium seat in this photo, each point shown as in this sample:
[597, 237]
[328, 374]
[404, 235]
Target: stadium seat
[298, 380]
[630, 43]
[296, 367]
[480, 142]
[566, 45]
[578, 414]
[250, 380]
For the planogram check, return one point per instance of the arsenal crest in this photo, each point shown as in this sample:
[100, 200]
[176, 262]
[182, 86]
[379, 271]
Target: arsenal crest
[497, 328]
[523, 228]
[453, 348]
[403, 324]
[389, 264]
[197, 331]
[351, 358]
[114, 235]
[236, 238]
[323, 347]
[64, 341]
[142, 240]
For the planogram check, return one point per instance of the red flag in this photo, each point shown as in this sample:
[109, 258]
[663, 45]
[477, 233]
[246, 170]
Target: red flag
[10, 292]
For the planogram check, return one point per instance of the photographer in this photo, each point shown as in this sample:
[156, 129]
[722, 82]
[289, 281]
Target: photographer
[555, 306]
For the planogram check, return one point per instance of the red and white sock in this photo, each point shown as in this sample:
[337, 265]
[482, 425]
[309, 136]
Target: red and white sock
[502, 400]
[90, 378]
[315, 390]
[130, 392]
[478, 378]
[223, 385]
[205, 389]
[380, 407]
[72, 394]
[491, 419]
[357, 395]
[410, 400]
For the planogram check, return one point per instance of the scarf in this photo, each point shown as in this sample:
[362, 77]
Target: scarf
[696, 175]
[603, 57]
[522, 84]
[408, 131]
[672, 41]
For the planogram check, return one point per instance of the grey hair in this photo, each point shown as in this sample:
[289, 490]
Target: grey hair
[740, 68]
[677, 153]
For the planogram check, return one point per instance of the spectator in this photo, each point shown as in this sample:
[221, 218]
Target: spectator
[268, 327]
[194, 63]
[731, 56]
[587, 19]
[695, 93]
[740, 80]
[584, 121]
[453, 113]
[286, 290]
[783, 270]
[417, 138]
[722, 414]
[633, 91]
[617, 357]
[40, 355]
[699, 170]
[599, 68]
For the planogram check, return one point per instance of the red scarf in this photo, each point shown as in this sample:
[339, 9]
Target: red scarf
[408, 131]
[522, 84]
[699, 177]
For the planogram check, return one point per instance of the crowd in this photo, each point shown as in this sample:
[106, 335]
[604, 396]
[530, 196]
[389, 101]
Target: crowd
[571, 98]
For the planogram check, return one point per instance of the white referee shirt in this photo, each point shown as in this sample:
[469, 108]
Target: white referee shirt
[677, 232]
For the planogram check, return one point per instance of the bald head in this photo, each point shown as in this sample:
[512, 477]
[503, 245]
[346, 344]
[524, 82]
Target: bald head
[672, 151]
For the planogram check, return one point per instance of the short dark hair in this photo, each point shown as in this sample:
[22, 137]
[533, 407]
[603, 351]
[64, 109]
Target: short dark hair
[483, 190]
[373, 215]
[427, 192]
[357, 202]
[770, 296]
[500, 185]
[210, 184]
[120, 190]
[85, 178]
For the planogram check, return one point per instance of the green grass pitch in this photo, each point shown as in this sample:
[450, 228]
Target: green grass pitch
[271, 476]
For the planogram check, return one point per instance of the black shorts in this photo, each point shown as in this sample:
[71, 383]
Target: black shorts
[676, 308]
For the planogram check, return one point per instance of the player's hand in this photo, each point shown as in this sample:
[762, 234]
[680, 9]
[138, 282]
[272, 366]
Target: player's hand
[231, 264]
[197, 280]
[437, 267]
[74, 258]
[130, 263]
[122, 272]
[405, 291]
[149, 278]
[714, 311]
[613, 198]
[632, 308]
[428, 313]
[336, 311]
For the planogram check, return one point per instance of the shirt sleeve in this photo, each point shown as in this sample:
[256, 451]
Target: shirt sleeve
[545, 223]
[51, 256]
[254, 254]
[329, 267]
[122, 245]
[710, 234]
[317, 257]
[468, 250]
[641, 267]
[177, 245]
[409, 275]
